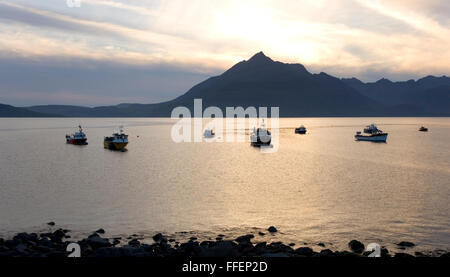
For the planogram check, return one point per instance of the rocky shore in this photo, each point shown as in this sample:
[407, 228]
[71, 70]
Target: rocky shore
[54, 244]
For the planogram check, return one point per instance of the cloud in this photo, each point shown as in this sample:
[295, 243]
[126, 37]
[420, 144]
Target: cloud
[404, 39]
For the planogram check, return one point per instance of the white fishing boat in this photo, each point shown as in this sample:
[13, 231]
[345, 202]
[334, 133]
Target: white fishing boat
[209, 134]
[375, 136]
[260, 136]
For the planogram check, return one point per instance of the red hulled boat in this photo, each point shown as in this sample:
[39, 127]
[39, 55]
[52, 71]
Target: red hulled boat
[78, 138]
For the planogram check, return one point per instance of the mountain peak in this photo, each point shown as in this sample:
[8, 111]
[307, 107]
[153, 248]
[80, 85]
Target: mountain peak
[260, 58]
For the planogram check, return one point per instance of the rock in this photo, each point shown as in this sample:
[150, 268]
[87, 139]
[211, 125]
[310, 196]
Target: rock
[275, 255]
[192, 238]
[261, 244]
[419, 254]
[95, 241]
[291, 244]
[304, 251]
[445, 255]
[224, 248]
[356, 246]
[261, 233]
[134, 242]
[171, 240]
[321, 244]
[108, 252]
[245, 238]
[25, 237]
[100, 231]
[326, 253]
[58, 235]
[51, 223]
[403, 255]
[406, 244]
[272, 229]
[21, 248]
[137, 252]
[45, 242]
[158, 237]
[219, 238]
[11, 244]
[190, 248]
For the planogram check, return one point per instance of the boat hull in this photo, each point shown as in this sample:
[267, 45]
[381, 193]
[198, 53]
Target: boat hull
[374, 138]
[301, 132]
[115, 145]
[77, 141]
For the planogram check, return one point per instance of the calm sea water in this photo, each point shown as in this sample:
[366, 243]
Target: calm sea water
[320, 187]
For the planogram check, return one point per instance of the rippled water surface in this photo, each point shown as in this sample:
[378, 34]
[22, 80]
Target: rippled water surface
[320, 187]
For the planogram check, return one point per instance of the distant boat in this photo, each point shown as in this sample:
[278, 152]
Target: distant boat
[370, 129]
[300, 130]
[423, 129]
[375, 136]
[78, 138]
[209, 134]
[118, 141]
[260, 136]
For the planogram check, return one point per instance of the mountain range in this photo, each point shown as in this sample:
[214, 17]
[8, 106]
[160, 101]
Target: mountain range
[262, 82]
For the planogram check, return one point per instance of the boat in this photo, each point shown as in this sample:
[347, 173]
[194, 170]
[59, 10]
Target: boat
[260, 136]
[378, 136]
[209, 134]
[300, 130]
[423, 129]
[370, 129]
[118, 141]
[78, 138]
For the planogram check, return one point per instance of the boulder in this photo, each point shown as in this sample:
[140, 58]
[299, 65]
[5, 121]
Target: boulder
[272, 229]
[356, 246]
[406, 244]
[224, 248]
[100, 231]
[159, 237]
[95, 241]
[304, 251]
[108, 252]
[134, 242]
[403, 255]
[58, 235]
[245, 238]
[326, 253]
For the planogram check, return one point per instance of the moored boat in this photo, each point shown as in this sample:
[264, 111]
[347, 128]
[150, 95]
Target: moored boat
[375, 136]
[423, 129]
[260, 136]
[209, 134]
[300, 130]
[370, 129]
[77, 138]
[118, 141]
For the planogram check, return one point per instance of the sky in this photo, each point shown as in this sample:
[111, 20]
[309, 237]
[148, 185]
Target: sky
[104, 52]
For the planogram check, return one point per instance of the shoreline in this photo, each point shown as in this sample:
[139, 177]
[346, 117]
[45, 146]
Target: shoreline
[97, 244]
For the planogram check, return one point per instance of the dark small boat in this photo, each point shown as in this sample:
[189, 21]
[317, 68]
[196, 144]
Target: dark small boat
[260, 136]
[423, 129]
[300, 130]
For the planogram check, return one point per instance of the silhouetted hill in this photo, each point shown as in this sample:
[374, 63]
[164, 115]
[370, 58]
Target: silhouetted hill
[262, 82]
[427, 96]
[10, 111]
